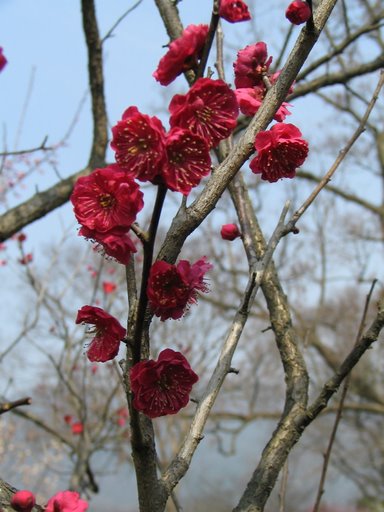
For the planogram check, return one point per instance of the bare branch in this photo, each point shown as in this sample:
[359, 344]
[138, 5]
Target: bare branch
[7, 406]
[119, 20]
[342, 154]
[42, 147]
[339, 77]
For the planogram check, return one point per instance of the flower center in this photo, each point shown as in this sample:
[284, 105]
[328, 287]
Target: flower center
[176, 158]
[141, 146]
[106, 200]
[164, 382]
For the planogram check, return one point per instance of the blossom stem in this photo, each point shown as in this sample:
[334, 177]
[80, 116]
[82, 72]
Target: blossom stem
[208, 44]
[147, 262]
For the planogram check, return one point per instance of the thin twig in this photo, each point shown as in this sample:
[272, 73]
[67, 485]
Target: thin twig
[208, 43]
[283, 488]
[291, 225]
[119, 20]
[42, 147]
[25, 106]
[180, 464]
[147, 262]
[284, 47]
[332, 438]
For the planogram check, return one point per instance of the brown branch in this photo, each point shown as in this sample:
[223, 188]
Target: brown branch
[186, 221]
[6, 493]
[339, 77]
[39, 205]
[44, 426]
[332, 385]
[119, 20]
[170, 16]
[96, 83]
[7, 406]
[44, 202]
[377, 210]
[373, 24]
[42, 147]
[211, 35]
[340, 408]
[291, 225]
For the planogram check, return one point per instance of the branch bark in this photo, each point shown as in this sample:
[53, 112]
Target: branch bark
[44, 202]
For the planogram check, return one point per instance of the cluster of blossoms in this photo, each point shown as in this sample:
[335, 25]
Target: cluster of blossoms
[280, 150]
[106, 202]
[63, 501]
[252, 79]
[178, 159]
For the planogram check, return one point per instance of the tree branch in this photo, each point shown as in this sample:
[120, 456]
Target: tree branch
[339, 77]
[7, 406]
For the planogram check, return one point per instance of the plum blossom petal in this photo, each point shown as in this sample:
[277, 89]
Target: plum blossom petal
[183, 54]
[162, 387]
[188, 160]
[252, 61]
[138, 142]
[298, 12]
[280, 151]
[106, 199]
[209, 110]
[173, 288]
[23, 501]
[108, 333]
[234, 11]
[66, 501]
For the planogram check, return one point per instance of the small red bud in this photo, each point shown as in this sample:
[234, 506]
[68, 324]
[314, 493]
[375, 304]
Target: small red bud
[230, 232]
[298, 12]
[23, 501]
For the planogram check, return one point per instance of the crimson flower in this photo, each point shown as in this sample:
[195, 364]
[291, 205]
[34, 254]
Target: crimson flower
[280, 151]
[3, 60]
[252, 61]
[162, 387]
[21, 237]
[27, 258]
[230, 232]
[187, 162]
[251, 98]
[109, 287]
[173, 288]
[183, 54]
[138, 141]
[23, 501]
[108, 333]
[209, 109]
[68, 418]
[66, 501]
[77, 428]
[298, 12]
[116, 244]
[234, 11]
[107, 198]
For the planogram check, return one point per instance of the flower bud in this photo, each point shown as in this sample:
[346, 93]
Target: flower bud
[230, 232]
[298, 12]
[23, 501]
